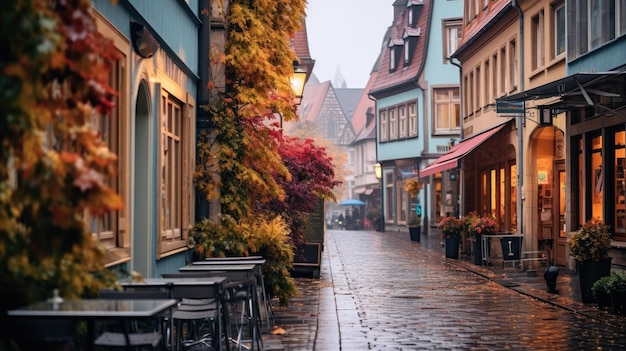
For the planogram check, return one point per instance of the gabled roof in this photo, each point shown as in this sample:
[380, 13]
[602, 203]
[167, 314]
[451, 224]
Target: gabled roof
[312, 100]
[359, 117]
[485, 20]
[348, 99]
[367, 133]
[404, 74]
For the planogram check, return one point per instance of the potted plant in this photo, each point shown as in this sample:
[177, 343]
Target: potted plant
[476, 227]
[616, 287]
[415, 227]
[600, 290]
[451, 229]
[590, 246]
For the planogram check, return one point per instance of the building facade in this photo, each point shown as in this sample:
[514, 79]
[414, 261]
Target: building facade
[152, 130]
[417, 105]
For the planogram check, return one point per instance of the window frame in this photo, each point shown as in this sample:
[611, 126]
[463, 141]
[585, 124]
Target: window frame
[556, 9]
[451, 25]
[537, 46]
[453, 104]
[171, 240]
[383, 132]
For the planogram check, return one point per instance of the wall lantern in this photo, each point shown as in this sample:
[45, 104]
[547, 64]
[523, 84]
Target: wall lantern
[297, 82]
[143, 41]
[378, 170]
[545, 117]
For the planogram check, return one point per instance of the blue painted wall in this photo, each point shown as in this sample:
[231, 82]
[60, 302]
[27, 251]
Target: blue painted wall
[605, 58]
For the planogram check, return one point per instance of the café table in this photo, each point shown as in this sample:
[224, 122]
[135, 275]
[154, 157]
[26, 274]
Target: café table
[258, 262]
[179, 288]
[236, 271]
[91, 310]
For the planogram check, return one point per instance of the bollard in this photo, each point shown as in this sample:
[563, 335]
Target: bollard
[550, 276]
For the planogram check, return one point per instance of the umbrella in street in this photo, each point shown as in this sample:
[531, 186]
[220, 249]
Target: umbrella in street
[352, 202]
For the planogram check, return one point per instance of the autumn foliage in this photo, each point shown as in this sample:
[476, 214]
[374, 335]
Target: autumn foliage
[53, 167]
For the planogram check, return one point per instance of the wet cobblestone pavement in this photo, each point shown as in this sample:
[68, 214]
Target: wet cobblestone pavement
[380, 291]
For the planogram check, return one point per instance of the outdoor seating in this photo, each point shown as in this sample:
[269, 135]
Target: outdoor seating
[128, 334]
[241, 311]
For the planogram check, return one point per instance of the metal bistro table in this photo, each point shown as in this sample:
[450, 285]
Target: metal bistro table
[258, 262]
[207, 287]
[510, 253]
[91, 310]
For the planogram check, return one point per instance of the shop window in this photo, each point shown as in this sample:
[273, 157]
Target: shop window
[620, 185]
[597, 178]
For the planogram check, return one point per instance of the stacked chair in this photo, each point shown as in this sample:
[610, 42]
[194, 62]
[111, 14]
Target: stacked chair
[195, 317]
[241, 314]
[127, 334]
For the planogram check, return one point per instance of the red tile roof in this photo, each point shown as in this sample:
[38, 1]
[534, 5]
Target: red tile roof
[404, 74]
[359, 117]
[313, 98]
[475, 27]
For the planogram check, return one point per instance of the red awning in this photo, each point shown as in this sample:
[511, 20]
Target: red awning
[451, 158]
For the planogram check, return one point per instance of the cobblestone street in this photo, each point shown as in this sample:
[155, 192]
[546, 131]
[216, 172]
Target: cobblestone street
[380, 291]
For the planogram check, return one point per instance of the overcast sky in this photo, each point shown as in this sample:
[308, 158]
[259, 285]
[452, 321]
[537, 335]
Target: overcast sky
[346, 35]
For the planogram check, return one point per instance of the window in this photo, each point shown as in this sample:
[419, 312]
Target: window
[452, 36]
[402, 123]
[176, 155]
[591, 24]
[383, 126]
[471, 93]
[393, 124]
[112, 130]
[537, 39]
[621, 16]
[478, 90]
[502, 71]
[414, 9]
[494, 75]
[447, 110]
[410, 37]
[395, 46]
[559, 30]
[412, 118]
[486, 83]
[513, 63]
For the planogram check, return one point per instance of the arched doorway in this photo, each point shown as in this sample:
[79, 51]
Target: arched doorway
[550, 189]
[141, 243]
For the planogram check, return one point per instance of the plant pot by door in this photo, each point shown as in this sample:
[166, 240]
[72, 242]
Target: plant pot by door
[477, 250]
[604, 299]
[588, 273]
[452, 246]
[415, 233]
[618, 300]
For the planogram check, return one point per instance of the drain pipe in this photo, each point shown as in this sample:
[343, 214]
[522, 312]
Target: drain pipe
[520, 126]
[203, 117]
[461, 179]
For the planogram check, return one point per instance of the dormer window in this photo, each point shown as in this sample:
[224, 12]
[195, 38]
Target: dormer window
[395, 46]
[414, 8]
[409, 37]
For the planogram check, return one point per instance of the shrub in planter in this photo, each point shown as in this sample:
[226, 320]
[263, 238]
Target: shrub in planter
[600, 291]
[590, 246]
[616, 287]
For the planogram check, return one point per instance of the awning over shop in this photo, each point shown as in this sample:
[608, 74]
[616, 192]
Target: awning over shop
[572, 85]
[451, 158]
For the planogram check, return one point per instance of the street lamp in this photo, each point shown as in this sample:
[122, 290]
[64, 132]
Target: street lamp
[378, 172]
[297, 83]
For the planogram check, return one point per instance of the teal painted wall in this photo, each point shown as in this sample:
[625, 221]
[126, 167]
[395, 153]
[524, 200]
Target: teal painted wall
[437, 70]
[605, 58]
[408, 148]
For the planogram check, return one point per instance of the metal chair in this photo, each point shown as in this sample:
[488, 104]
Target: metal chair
[240, 298]
[195, 318]
[130, 336]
